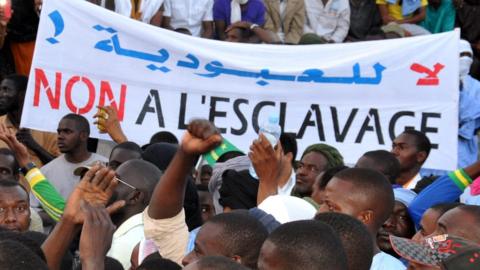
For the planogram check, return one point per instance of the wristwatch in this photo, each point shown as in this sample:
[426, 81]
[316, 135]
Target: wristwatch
[27, 168]
[253, 25]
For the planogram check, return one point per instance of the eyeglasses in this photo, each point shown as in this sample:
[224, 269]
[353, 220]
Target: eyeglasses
[125, 183]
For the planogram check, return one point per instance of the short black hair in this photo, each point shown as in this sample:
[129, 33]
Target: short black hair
[422, 143]
[241, 235]
[81, 123]
[13, 183]
[289, 144]
[218, 263]
[472, 210]
[20, 81]
[39, 238]
[7, 152]
[24, 240]
[158, 263]
[308, 245]
[164, 137]
[386, 162]
[442, 208]
[15, 256]
[328, 175]
[129, 146]
[356, 240]
[374, 186]
[112, 264]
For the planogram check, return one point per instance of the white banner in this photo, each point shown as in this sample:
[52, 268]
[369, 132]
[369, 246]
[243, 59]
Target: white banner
[354, 96]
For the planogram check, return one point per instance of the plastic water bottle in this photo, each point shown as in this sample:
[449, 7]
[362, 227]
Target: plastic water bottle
[271, 130]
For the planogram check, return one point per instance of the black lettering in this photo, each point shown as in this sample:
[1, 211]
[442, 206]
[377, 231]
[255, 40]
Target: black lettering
[241, 117]
[424, 128]
[214, 113]
[181, 115]
[283, 113]
[148, 109]
[309, 122]
[393, 122]
[256, 112]
[366, 127]
[340, 135]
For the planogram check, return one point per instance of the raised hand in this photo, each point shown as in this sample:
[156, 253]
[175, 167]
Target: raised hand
[107, 122]
[96, 188]
[201, 137]
[20, 150]
[96, 237]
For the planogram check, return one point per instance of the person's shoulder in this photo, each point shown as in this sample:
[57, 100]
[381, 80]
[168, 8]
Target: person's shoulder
[58, 161]
[383, 260]
[97, 157]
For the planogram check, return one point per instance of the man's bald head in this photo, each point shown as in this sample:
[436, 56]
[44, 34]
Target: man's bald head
[462, 221]
[143, 176]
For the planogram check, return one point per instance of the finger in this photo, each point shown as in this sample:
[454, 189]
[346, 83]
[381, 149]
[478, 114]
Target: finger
[99, 175]
[112, 185]
[105, 182]
[90, 174]
[114, 207]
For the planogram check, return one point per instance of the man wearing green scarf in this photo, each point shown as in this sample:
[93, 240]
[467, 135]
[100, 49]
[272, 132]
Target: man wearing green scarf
[315, 159]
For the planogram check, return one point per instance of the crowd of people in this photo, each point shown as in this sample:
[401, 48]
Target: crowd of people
[162, 206]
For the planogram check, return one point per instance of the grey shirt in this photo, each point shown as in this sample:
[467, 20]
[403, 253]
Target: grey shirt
[59, 172]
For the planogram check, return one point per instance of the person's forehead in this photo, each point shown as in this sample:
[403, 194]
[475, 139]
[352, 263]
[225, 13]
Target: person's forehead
[405, 139]
[337, 186]
[67, 124]
[8, 83]
[11, 194]
[314, 158]
[399, 207]
[6, 160]
[208, 235]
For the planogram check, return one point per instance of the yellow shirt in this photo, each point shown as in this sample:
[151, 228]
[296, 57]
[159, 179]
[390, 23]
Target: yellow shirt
[395, 10]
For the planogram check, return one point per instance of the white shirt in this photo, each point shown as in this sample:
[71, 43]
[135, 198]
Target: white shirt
[125, 238]
[383, 261]
[288, 187]
[330, 21]
[413, 183]
[189, 14]
[282, 8]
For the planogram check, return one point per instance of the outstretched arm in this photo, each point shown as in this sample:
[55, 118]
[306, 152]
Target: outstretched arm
[167, 198]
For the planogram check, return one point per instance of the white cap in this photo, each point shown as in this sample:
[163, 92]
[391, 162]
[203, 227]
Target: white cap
[286, 208]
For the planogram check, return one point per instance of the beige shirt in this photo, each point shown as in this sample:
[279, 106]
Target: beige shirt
[45, 139]
[170, 235]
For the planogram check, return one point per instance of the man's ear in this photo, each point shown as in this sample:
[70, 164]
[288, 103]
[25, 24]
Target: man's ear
[421, 157]
[135, 197]
[366, 217]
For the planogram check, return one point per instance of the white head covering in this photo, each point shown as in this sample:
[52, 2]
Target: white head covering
[464, 46]
[465, 61]
[235, 10]
[286, 208]
[404, 196]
